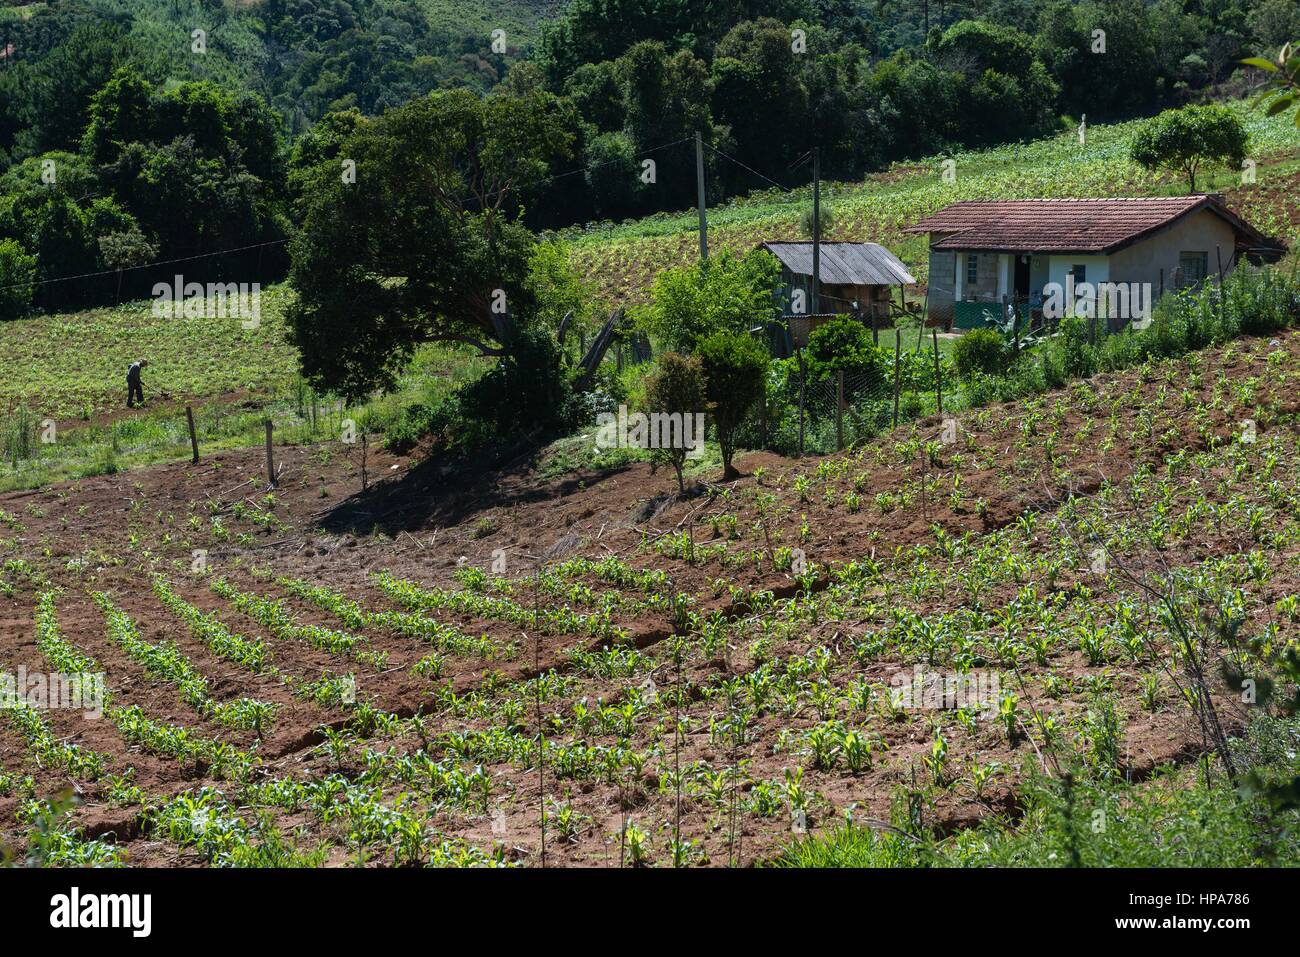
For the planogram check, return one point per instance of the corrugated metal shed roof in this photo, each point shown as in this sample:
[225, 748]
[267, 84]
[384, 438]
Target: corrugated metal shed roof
[844, 264]
[1065, 225]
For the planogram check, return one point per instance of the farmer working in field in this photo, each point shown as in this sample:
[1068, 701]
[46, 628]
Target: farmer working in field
[134, 391]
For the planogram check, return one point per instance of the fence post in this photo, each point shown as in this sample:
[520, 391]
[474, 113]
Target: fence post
[875, 333]
[898, 345]
[1015, 325]
[1218, 254]
[938, 380]
[802, 377]
[270, 460]
[839, 410]
[194, 438]
[762, 411]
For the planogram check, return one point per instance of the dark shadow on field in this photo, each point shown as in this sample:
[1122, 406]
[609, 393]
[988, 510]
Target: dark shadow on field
[444, 490]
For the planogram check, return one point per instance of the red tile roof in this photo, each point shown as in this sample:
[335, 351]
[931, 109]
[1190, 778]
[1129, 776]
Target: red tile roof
[1066, 225]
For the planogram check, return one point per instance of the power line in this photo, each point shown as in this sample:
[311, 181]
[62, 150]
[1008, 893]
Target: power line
[749, 168]
[466, 199]
[585, 169]
[161, 262]
[276, 242]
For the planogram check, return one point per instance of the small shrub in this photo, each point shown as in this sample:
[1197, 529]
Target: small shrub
[412, 423]
[525, 391]
[677, 387]
[844, 344]
[980, 352]
[734, 367]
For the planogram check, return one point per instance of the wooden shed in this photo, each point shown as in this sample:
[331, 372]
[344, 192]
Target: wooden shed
[862, 273]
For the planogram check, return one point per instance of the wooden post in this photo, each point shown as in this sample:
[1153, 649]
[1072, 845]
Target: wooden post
[194, 438]
[817, 231]
[762, 410]
[699, 198]
[270, 459]
[802, 377]
[875, 333]
[938, 381]
[1015, 325]
[898, 346]
[839, 410]
[1218, 255]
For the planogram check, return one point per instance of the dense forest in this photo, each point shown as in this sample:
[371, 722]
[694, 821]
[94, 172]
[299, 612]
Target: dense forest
[135, 132]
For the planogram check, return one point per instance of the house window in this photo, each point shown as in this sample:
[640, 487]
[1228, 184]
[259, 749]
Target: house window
[972, 269]
[1192, 268]
[1080, 273]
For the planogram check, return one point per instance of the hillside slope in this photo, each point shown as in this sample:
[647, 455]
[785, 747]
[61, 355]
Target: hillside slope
[620, 261]
[778, 619]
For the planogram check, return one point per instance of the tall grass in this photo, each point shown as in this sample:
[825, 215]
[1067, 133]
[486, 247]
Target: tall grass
[1249, 302]
[1172, 820]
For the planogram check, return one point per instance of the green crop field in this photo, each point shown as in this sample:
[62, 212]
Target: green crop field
[71, 367]
[621, 260]
[520, 19]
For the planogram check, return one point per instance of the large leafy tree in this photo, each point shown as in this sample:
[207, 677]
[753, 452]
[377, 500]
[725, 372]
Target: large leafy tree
[753, 64]
[667, 100]
[424, 243]
[727, 294]
[1006, 90]
[596, 30]
[1187, 139]
[1143, 46]
[121, 112]
[62, 222]
[68, 77]
[200, 167]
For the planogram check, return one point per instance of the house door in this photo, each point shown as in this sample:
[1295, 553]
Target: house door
[1020, 282]
[942, 289]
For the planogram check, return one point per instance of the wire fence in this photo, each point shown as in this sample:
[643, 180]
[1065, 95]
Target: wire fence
[809, 410]
[858, 405]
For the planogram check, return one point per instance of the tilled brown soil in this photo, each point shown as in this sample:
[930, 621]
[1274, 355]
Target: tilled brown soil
[423, 520]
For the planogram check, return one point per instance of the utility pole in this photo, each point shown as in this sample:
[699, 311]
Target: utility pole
[817, 228]
[699, 197]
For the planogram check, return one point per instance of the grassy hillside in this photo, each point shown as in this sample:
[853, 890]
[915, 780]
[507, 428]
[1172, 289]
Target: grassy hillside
[70, 367]
[621, 260]
[74, 365]
[521, 19]
[1021, 556]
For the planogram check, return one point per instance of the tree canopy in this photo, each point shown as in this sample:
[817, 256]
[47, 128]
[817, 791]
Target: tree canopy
[728, 293]
[423, 243]
[1187, 139]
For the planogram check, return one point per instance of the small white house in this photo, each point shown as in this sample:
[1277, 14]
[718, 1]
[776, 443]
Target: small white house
[1033, 252]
